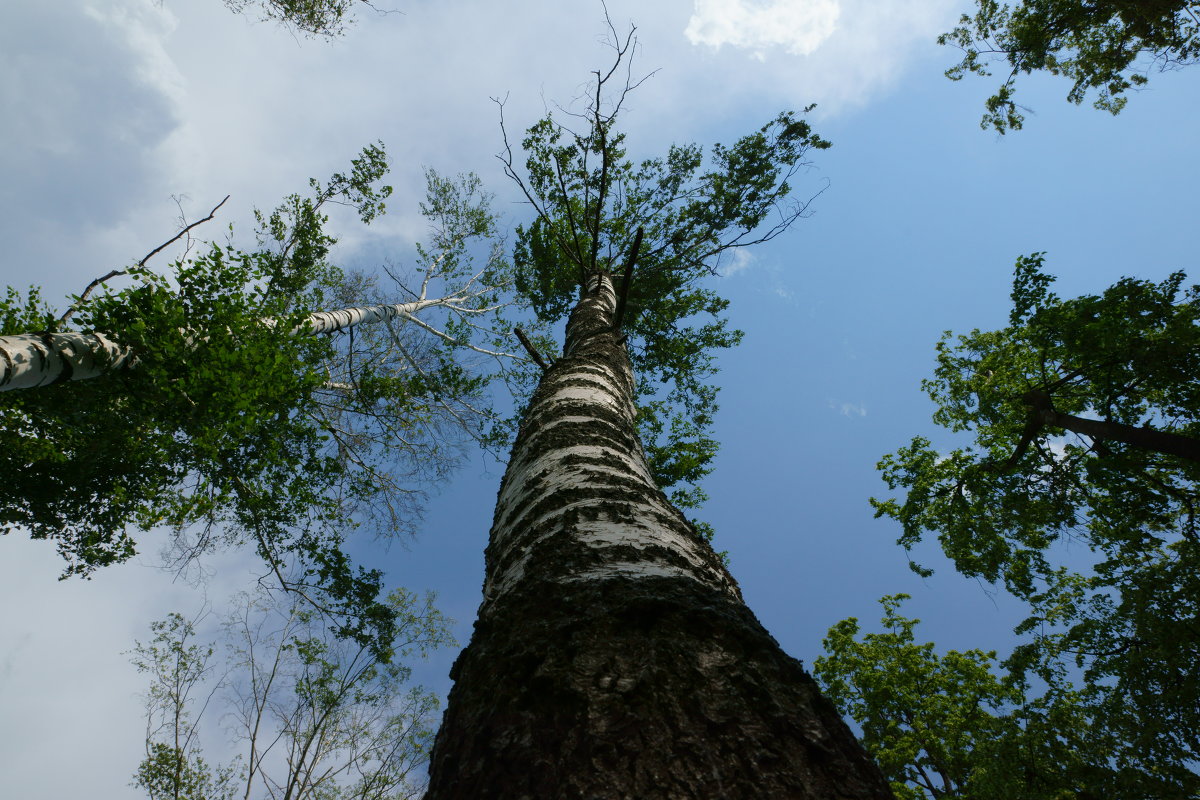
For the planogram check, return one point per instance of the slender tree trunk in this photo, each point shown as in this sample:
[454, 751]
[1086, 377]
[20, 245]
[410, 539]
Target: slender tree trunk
[29, 360]
[613, 656]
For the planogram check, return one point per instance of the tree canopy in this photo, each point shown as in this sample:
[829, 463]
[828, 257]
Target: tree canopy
[232, 429]
[948, 726]
[673, 220]
[1106, 47]
[322, 18]
[1082, 414]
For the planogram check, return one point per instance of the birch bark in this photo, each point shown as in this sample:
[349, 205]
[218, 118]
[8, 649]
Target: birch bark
[30, 360]
[613, 656]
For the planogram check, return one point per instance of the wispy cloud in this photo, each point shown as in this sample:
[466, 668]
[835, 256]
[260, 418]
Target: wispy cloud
[851, 410]
[740, 260]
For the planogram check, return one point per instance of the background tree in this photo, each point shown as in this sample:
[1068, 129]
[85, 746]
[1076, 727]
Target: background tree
[613, 656]
[1102, 46]
[312, 715]
[1084, 420]
[947, 726]
[232, 429]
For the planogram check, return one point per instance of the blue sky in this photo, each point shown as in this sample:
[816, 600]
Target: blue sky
[110, 109]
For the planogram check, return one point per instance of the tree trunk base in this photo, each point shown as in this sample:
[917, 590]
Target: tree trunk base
[638, 689]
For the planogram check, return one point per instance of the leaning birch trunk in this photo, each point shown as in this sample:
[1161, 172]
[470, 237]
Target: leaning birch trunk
[613, 656]
[29, 360]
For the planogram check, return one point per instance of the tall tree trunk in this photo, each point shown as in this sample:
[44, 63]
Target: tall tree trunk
[613, 656]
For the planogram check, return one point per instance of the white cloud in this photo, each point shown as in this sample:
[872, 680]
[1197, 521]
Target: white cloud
[69, 698]
[87, 104]
[798, 26]
[837, 53]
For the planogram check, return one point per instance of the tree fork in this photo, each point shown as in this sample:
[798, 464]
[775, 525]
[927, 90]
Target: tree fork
[613, 656]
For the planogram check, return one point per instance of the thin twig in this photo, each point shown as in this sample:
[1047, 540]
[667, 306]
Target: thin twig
[181, 233]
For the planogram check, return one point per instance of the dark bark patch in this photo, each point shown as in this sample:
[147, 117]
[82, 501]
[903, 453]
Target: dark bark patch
[647, 689]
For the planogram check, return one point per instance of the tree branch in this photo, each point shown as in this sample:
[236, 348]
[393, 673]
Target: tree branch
[627, 279]
[1042, 414]
[1145, 437]
[529, 348]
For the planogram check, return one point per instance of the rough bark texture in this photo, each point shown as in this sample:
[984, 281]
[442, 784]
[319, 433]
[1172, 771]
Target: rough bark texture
[613, 656]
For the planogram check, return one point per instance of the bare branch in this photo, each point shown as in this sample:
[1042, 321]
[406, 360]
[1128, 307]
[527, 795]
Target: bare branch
[119, 272]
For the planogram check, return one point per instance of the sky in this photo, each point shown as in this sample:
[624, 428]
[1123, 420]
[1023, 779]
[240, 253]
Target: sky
[115, 115]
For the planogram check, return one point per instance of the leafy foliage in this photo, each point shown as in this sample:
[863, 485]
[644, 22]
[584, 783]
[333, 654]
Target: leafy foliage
[1107, 46]
[590, 198]
[180, 669]
[312, 715]
[230, 430]
[947, 727]
[1005, 508]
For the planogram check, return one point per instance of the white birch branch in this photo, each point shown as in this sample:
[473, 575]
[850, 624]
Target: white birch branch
[30, 360]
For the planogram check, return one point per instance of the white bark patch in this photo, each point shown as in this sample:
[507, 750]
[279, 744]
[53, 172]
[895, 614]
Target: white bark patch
[330, 321]
[597, 393]
[603, 533]
[635, 534]
[521, 490]
[641, 569]
[600, 535]
[609, 380]
[30, 360]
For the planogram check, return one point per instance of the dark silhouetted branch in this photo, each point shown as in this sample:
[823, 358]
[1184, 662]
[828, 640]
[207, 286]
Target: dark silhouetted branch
[529, 348]
[1145, 438]
[1042, 414]
[627, 279]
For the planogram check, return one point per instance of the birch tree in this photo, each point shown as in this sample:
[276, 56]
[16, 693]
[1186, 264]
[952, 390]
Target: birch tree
[613, 656]
[227, 419]
[306, 715]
